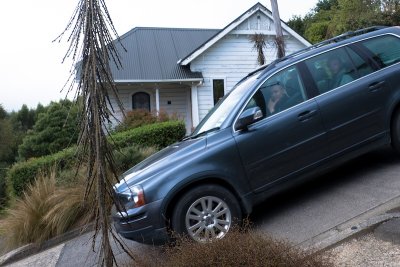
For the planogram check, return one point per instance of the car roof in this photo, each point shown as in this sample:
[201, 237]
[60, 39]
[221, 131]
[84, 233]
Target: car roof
[328, 44]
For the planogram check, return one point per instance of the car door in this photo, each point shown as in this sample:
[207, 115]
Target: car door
[385, 52]
[347, 108]
[283, 143]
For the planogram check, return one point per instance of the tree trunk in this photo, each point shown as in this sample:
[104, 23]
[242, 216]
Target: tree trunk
[279, 41]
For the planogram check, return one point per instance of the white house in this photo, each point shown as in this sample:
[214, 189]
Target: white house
[185, 71]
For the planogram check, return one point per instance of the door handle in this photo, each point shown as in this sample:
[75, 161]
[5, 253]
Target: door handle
[306, 115]
[375, 86]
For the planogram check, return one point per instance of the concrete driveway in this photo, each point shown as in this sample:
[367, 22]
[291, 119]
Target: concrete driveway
[342, 198]
[334, 203]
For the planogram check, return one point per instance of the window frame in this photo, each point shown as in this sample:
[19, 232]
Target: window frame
[213, 89]
[264, 80]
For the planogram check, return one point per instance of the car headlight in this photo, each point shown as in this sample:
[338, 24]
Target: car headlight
[133, 197]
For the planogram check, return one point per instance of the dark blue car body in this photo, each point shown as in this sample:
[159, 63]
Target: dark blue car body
[253, 157]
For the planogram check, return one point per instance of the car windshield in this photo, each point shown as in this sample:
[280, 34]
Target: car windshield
[223, 108]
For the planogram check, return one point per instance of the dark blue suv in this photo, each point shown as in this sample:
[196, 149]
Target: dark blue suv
[285, 122]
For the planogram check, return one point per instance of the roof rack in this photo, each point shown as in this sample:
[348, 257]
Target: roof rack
[349, 34]
[335, 39]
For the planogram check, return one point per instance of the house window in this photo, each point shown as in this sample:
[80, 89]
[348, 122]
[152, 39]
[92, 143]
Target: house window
[218, 89]
[141, 100]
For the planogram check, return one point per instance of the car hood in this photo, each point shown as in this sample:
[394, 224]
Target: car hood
[160, 161]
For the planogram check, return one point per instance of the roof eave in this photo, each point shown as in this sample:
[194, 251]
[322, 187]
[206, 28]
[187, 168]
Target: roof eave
[160, 81]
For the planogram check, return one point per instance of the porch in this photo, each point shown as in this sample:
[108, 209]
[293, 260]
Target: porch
[177, 99]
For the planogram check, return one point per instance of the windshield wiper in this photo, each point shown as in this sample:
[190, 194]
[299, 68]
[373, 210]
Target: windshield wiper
[201, 133]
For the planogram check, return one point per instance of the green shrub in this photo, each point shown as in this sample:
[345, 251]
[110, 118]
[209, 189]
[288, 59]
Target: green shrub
[158, 135]
[140, 117]
[129, 151]
[53, 131]
[127, 157]
[24, 173]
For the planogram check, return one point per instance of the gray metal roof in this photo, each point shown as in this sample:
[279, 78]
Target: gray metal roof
[152, 54]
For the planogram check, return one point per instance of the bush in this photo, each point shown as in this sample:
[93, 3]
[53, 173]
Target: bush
[158, 135]
[127, 157]
[54, 130]
[140, 117]
[129, 146]
[239, 248]
[23, 173]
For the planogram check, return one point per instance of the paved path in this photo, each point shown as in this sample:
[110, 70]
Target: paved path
[46, 258]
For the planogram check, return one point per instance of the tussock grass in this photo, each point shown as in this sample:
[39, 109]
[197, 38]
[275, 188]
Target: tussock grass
[43, 212]
[67, 210]
[24, 222]
[241, 247]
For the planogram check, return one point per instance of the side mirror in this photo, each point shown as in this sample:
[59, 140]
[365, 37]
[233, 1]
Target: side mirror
[248, 117]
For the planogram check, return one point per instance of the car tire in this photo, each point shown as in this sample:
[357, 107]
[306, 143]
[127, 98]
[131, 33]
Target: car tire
[205, 213]
[395, 132]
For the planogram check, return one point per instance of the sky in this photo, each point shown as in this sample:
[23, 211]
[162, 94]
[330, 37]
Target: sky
[31, 68]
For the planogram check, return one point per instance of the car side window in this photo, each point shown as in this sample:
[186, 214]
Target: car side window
[279, 92]
[385, 49]
[331, 70]
[363, 67]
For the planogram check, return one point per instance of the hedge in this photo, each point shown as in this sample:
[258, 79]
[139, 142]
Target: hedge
[24, 173]
[157, 135]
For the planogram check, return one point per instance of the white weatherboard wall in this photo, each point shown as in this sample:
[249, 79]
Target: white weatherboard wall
[233, 57]
[176, 102]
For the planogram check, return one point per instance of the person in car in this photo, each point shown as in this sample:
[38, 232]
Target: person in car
[338, 72]
[277, 99]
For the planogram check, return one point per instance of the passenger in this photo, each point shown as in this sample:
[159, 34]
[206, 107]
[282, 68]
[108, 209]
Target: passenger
[277, 99]
[338, 71]
[293, 89]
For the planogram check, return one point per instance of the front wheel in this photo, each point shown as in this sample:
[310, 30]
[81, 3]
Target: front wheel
[395, 132]
[205, 213]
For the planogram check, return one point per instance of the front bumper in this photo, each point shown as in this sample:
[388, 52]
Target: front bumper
[144, 224]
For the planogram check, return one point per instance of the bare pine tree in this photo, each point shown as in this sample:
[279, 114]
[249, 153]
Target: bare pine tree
[92, 48]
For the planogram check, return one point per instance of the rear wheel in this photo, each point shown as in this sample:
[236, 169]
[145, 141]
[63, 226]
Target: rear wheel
[395, 132]
[205, 213]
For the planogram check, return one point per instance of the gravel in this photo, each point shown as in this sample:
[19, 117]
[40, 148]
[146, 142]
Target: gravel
[366, 250]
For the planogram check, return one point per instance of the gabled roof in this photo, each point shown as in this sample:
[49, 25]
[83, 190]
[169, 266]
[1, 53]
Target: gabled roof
[257, 7]
[164, 54]
[152, 54]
